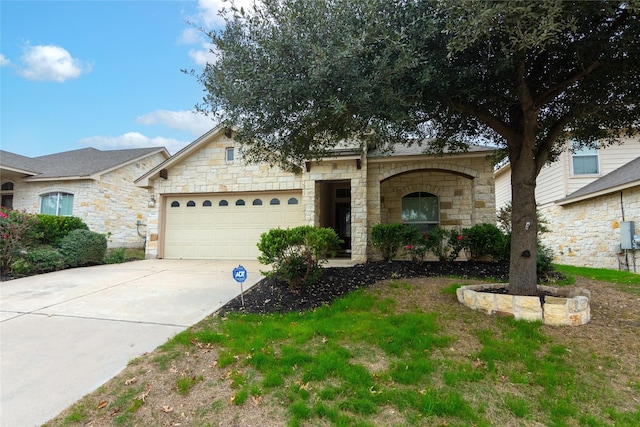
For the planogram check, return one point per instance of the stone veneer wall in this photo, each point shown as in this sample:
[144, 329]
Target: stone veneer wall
[585, 233]
[113, 204]
[464, 185]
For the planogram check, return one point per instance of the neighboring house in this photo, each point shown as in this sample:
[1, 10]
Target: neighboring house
[585, 196]
[211, 205]
[97, 186]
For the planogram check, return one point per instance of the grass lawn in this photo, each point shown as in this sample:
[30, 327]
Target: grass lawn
[399, 353]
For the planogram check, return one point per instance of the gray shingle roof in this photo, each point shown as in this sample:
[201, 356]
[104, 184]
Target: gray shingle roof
[625, 174]
[418, 149]
[77, 163]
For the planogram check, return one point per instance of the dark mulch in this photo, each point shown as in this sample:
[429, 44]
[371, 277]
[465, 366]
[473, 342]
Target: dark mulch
[270, 295]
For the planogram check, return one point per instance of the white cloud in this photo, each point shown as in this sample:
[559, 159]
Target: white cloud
[51, 63]
[195, 123]
[4, 60]
[133, 140]
[209, 10]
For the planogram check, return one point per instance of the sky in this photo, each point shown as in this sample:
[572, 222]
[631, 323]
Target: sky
[102, 74]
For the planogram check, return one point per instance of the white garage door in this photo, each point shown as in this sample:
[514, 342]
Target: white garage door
[211, 226]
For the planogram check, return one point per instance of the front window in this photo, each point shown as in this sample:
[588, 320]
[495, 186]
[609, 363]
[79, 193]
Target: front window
[60, 204]
[421, 210]
[585, 161]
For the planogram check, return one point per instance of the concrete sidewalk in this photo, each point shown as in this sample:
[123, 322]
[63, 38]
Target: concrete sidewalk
[64, 334]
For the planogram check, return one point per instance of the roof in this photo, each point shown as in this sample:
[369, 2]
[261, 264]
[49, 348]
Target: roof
[82, 163]
[625, 176]
[420, 150]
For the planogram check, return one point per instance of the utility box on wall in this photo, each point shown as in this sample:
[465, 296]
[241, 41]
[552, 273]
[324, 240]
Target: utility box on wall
[627, 232]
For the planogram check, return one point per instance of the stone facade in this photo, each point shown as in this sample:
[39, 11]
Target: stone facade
[110, 204]
[586, 233]
[464, 183]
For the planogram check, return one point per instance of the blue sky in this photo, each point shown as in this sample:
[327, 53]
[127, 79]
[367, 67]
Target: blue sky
[102, 74]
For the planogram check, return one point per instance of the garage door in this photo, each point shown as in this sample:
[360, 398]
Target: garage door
[212, 226]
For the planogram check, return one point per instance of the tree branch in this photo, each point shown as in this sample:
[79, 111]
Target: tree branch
[558, 88]
[493, 122]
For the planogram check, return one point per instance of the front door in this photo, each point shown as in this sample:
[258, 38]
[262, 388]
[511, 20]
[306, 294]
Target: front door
[343, 225]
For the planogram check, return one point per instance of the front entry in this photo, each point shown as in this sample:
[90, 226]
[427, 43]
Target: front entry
[335, 211]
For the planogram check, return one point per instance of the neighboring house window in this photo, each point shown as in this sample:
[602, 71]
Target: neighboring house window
[191, 204]
[585, 161]
[223, 203]
[7, 195]
[229, 154]
[239, 202]
[292, 201]
[206, 203]
[421, 209]
[257, 202]
[175, 204]
[60, 204]
[274, 202]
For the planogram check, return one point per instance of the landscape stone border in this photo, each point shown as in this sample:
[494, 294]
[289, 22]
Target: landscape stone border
[566, 307]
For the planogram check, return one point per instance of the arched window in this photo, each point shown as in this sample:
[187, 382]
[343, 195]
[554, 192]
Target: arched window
[239, 202]
[292, 201]
[257, 202]
[7, 186]
[421, 209]
[223, 203]
[60, 204]
[206, 203]
[175, 204]
[274, 202]
[191, 204]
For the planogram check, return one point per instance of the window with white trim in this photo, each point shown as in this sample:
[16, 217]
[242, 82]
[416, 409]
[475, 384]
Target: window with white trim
[421, 209]
[59, 204]
[229, 154]
[585, 161]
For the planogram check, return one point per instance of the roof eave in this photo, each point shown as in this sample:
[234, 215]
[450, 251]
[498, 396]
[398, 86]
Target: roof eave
[603, 192]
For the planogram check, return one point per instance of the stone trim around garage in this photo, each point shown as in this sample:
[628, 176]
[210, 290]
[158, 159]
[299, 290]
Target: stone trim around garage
[569, 307]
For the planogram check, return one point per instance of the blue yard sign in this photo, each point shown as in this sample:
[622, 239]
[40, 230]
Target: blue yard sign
[240, 275]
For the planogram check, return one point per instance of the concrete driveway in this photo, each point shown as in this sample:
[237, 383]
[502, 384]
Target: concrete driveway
[64, 334]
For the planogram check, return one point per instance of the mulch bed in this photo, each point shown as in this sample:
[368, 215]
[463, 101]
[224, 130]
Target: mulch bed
[271, 295]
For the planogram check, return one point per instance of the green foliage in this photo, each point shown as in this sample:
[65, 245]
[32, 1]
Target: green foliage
[416, 243]
[52, 228]
[387, 239]
[39, 260]
[485, 240]
[297, 254]
[83, 247]
[438, 243]
[17, 234]
[116, 256]
[504, 220]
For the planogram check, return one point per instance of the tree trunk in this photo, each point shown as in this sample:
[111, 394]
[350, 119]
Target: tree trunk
[524, 226]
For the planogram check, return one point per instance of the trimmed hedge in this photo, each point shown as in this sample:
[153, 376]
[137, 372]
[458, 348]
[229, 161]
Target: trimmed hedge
[83, 247]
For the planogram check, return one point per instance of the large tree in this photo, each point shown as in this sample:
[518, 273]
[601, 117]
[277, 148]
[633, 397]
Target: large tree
[296, 77]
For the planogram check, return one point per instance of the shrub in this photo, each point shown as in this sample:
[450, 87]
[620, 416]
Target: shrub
[544, 260]
[53, 229]
[387, 239]
[39, 260]
[83, 247]
[504, 220]
[297, 254]
[416, 243]
[484, 240]
[17, 234]
[116, 256]
[437, 242]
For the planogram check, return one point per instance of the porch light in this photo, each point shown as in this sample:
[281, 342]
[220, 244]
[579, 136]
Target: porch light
[152, 202]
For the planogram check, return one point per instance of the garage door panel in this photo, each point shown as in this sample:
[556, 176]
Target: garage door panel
[225, 232]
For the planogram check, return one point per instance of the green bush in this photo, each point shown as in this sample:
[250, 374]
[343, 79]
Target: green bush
[484, 240]
[116, 256]
[416, 243]
[52, 229]
[83, 247]
[297, 254]
[437, 242]
[40, 260]
[387, 239]
[17, 235]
